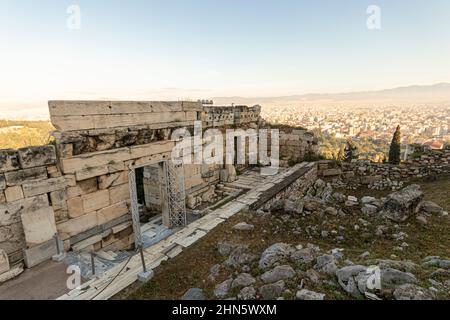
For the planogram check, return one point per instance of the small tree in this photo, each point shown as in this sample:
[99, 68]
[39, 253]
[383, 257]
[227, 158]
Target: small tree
[394, 151]
[350, 152]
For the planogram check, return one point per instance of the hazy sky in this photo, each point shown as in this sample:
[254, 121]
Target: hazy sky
[205, 48]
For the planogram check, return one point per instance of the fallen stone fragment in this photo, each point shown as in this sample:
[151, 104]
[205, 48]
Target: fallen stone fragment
[278, 273]
[431, 208]
[243, 226]
[400, 205]
[243, 280]
[247, 293]
[272, 291]
[221, 290]
[305, 294]
[193, 294]
[275, 254]
[413, 292]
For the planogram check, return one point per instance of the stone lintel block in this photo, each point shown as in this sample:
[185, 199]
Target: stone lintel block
[37, 156]
[96, 121]
[34, 188]
[84, 108]
[16, 178]
[91, 172]
[73, 227]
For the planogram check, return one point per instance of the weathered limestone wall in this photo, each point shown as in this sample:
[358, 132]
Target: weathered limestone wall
[97, 144]
[79, 188]
[32, 198]
[297, 145]
[418, 165]
[297, 189]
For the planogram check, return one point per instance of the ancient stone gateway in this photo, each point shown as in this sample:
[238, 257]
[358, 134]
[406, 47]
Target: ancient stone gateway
[109, 169]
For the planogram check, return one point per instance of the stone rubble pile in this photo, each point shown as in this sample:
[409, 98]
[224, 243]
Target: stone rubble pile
[284, 271]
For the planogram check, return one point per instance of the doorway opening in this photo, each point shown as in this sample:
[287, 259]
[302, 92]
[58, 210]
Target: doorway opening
[157, 201]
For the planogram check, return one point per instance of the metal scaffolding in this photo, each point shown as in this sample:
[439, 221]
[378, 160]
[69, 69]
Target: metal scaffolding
[176, 194]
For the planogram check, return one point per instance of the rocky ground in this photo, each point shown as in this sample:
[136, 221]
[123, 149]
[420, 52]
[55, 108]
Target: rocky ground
[322, 245]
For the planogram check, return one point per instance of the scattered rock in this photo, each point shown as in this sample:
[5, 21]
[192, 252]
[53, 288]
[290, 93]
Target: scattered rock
[431, 208]
[413, 292]
[240, 256]
[193, 294]
[225, 248]
[331, 211]
[214, 272]
[346, 278]
[350, 203]
[393, 277]
[295, 207]
[306, 255]
[313, 275]
[278, 273]
[276, 205]
[368, 200]
[275, 254]
[243, 280]
[339, 197]
[400, 205]
[422, 219]
[437, 263]
[305, 294]
[326, 263]
[221, 290]
[369, 209]
[365, 255]
[272, 291]
[440, 273]
[243, 226]
[247, 293]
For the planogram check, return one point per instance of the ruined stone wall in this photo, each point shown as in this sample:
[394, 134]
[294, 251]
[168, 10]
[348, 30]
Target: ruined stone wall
[79, 188]
[97, 144]
[32, 198]
[418, 165]
[297, 189]
[297, 145]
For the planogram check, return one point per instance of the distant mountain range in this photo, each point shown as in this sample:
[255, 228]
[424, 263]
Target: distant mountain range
[438, 93]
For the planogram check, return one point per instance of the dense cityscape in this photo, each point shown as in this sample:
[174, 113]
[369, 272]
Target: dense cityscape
[373, 125]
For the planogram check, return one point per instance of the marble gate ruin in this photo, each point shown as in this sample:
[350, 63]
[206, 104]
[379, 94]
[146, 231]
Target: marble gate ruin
[111, 158]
